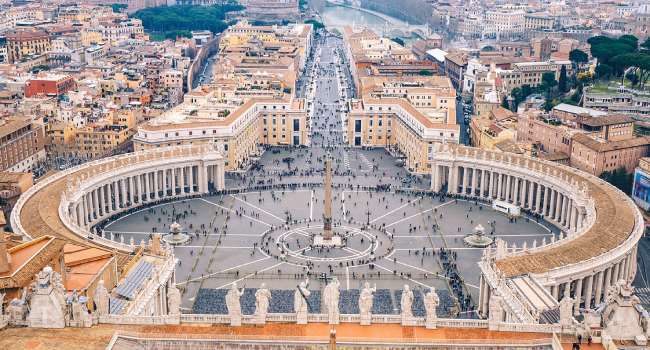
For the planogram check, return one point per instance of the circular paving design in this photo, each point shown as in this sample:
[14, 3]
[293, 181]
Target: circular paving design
[359, 245]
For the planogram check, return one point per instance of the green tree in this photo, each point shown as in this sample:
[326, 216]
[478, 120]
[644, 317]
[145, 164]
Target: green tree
[548, 81]
[619, 178]
[504, 102]
[631, 40]
[562, 83]
[117, 8]
[578, 56]
[317, 25]
[603, 71]
[398, 40]
[605, 48]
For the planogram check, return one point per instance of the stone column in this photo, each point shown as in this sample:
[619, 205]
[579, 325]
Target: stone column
[465, 179]
[599, 287]
[191, 179]
[556, 292]
[173, 176]
[122, 185]
[156, 185]
[515, 191]
[578, 297]
[567, 289]
[500, 187]
[95, 206]
[102, 201]
[615, 273]
[589, 291]
[483, 181]
[546, 201]
[538, 198]
[569, 217]
[147, 187]
[491, 185]
[203, 178]
[531, 194]
[164, 182]
[558, 206]
[182, 171]
[522, 193]
[84, 210]
[222, 176]
[474, 181]
[131, 191]
[608, 276]
[77, 214]
[508, 188]
[563, 209]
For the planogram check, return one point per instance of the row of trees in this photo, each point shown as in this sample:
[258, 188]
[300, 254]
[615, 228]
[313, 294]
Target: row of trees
[184, 18]
[617, 55]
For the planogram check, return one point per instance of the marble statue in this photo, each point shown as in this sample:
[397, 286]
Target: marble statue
[44, 278]
[365, 303]
[566, 311]
[300, 301]
[17, 308]
[406, 303]
[262, 300]
[331, 296]
[173, 301]
[79, 310]
[234, 305]
[101, 298]
[431, 302]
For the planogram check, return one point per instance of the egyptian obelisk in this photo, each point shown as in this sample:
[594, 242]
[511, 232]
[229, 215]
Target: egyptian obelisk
[327, 213]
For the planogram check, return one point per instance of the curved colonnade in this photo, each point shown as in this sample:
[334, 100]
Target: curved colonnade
[69, 203]
[600, 225]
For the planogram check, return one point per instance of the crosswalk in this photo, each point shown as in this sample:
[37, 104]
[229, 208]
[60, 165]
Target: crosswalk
[346, 161]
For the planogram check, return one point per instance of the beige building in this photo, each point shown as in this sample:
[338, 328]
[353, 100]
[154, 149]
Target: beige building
[395, 124]
[27, 43]
[595, 155]
[236, 129]
[21, 143]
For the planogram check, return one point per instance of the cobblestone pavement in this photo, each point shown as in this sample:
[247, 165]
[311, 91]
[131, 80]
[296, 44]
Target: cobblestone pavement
[379, 205]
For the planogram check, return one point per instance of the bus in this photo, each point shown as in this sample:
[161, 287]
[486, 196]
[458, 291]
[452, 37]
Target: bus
[506, 208]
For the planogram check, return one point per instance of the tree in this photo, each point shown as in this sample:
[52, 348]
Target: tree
[578, 57]
[619, 178]
[548, 81]
[562, 83]
[317, 25]
[504, 102]
[605, 48]
[398, 40]
[646, 45]
[603, 71]
[630, 39]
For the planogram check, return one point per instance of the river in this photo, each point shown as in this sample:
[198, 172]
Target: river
[336, 17]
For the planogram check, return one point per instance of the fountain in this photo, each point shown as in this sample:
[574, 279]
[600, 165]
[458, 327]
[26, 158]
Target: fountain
[175, 236]
[478, 239]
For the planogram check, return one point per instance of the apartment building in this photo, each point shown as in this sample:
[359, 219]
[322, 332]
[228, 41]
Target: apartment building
[21, 143]
[23, 43]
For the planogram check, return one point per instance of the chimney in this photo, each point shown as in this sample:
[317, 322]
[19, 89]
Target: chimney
[5, 258]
